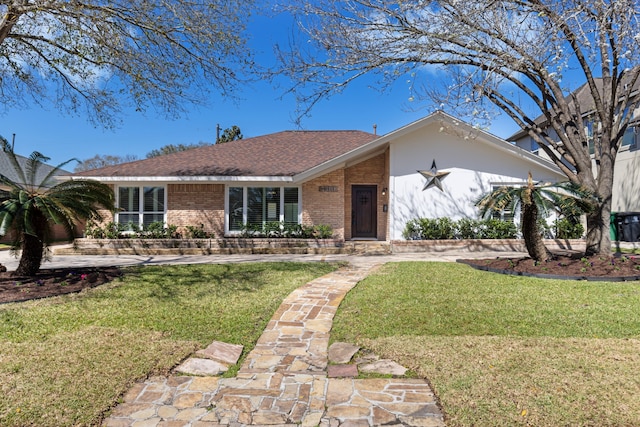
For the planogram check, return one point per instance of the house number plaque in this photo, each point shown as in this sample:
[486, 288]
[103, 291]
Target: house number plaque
[328, 188]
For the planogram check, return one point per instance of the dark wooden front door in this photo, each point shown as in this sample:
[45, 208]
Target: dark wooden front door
[364, 218]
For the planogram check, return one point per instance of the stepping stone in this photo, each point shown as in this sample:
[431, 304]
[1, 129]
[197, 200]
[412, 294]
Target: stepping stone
[195, 366]
[342, 371]
[384, 366]
[342, 352]
[222, 352]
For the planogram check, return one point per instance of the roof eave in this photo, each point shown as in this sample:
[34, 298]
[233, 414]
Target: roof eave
[183, 179]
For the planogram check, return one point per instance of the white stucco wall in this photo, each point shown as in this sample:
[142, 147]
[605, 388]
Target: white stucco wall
[474, 165]
[626, 181]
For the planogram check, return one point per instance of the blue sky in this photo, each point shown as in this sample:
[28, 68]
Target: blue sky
[259, 111]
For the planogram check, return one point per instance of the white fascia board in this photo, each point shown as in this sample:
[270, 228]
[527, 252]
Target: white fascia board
[186, 179]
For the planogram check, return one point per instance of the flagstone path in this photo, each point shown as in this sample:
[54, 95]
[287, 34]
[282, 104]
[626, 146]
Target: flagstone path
[284, 380]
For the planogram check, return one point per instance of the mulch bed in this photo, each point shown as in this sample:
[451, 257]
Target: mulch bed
[49, 283]
[619, 267]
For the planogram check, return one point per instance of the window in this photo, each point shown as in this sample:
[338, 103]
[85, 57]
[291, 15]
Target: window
[236, 209]
[263, 205]
[629, 138]
[590, 136]
[291, 205]
[140, 206]
[506, 214]
[534, 146]
[255, 206]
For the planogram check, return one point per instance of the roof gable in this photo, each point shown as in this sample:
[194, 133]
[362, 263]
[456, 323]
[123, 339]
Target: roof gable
[464, 130]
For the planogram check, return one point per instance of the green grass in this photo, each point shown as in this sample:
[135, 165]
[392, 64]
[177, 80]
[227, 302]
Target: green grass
[505, 350]
[66, 360]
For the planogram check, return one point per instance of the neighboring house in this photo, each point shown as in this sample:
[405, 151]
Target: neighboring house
[626, 178]
[362, 185]
[7, 169]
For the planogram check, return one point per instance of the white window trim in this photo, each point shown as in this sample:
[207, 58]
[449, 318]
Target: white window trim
[141, 212]
[244, 203]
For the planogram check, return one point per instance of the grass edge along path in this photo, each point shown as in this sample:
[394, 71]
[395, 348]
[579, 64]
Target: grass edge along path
[504, 350]
[67, 360]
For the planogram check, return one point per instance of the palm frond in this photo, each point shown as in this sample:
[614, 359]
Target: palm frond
[35, 161]
[46, 181]
[8, 150]
[498, 200]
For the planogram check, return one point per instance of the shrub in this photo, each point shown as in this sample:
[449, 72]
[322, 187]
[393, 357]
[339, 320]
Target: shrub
[412, 230]
[194, 232]
[323, 231]
[430, 229]
[465, 228]
[111, 230]
[273, 229]
[567, 229]
[114, 230]
[468, 228]
[293, 230]
[497, 229]
[157, 230]
[280, 230]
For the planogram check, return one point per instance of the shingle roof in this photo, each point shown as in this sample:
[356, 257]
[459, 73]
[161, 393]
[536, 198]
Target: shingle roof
[6, 168]
[279, 154]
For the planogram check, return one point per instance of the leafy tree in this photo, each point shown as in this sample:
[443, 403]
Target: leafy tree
[30, 207]
[230, 134]
[520, 58]
[173, 148]
[532, 199]
[102, 160]
[98, 55]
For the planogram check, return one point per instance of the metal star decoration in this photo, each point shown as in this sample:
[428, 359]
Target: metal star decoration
[434, 177]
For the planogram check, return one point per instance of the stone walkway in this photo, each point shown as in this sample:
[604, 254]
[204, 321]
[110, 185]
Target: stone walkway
[283, 380]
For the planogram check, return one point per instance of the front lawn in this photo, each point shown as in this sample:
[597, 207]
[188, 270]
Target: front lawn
[505, 350]
[66, 360]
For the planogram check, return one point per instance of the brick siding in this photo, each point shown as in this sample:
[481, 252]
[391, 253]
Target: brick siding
[320, 206]
[196, 204]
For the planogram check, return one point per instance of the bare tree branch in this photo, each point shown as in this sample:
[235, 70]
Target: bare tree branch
[101, 55]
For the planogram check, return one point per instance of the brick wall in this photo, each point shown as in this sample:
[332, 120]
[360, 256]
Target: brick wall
[373, 171]
[322, 205]
[105, 214]
[195, 204]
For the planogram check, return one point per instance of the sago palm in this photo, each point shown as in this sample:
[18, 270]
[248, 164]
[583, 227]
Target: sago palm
[531, 199]
[30, 206]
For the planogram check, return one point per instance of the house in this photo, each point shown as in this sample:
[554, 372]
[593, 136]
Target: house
[7, 169]
[626, 179]
[363, 185]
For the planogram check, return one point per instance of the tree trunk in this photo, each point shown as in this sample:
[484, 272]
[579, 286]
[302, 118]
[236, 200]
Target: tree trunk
[532, 238]
[598, 234]
[530, 233]
[598, 239]
[31, 258]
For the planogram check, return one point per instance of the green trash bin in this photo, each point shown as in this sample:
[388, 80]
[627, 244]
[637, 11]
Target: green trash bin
[613, 227]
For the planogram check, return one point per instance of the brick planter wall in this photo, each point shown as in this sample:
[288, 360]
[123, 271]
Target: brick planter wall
[477, 245]
[200, 246]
